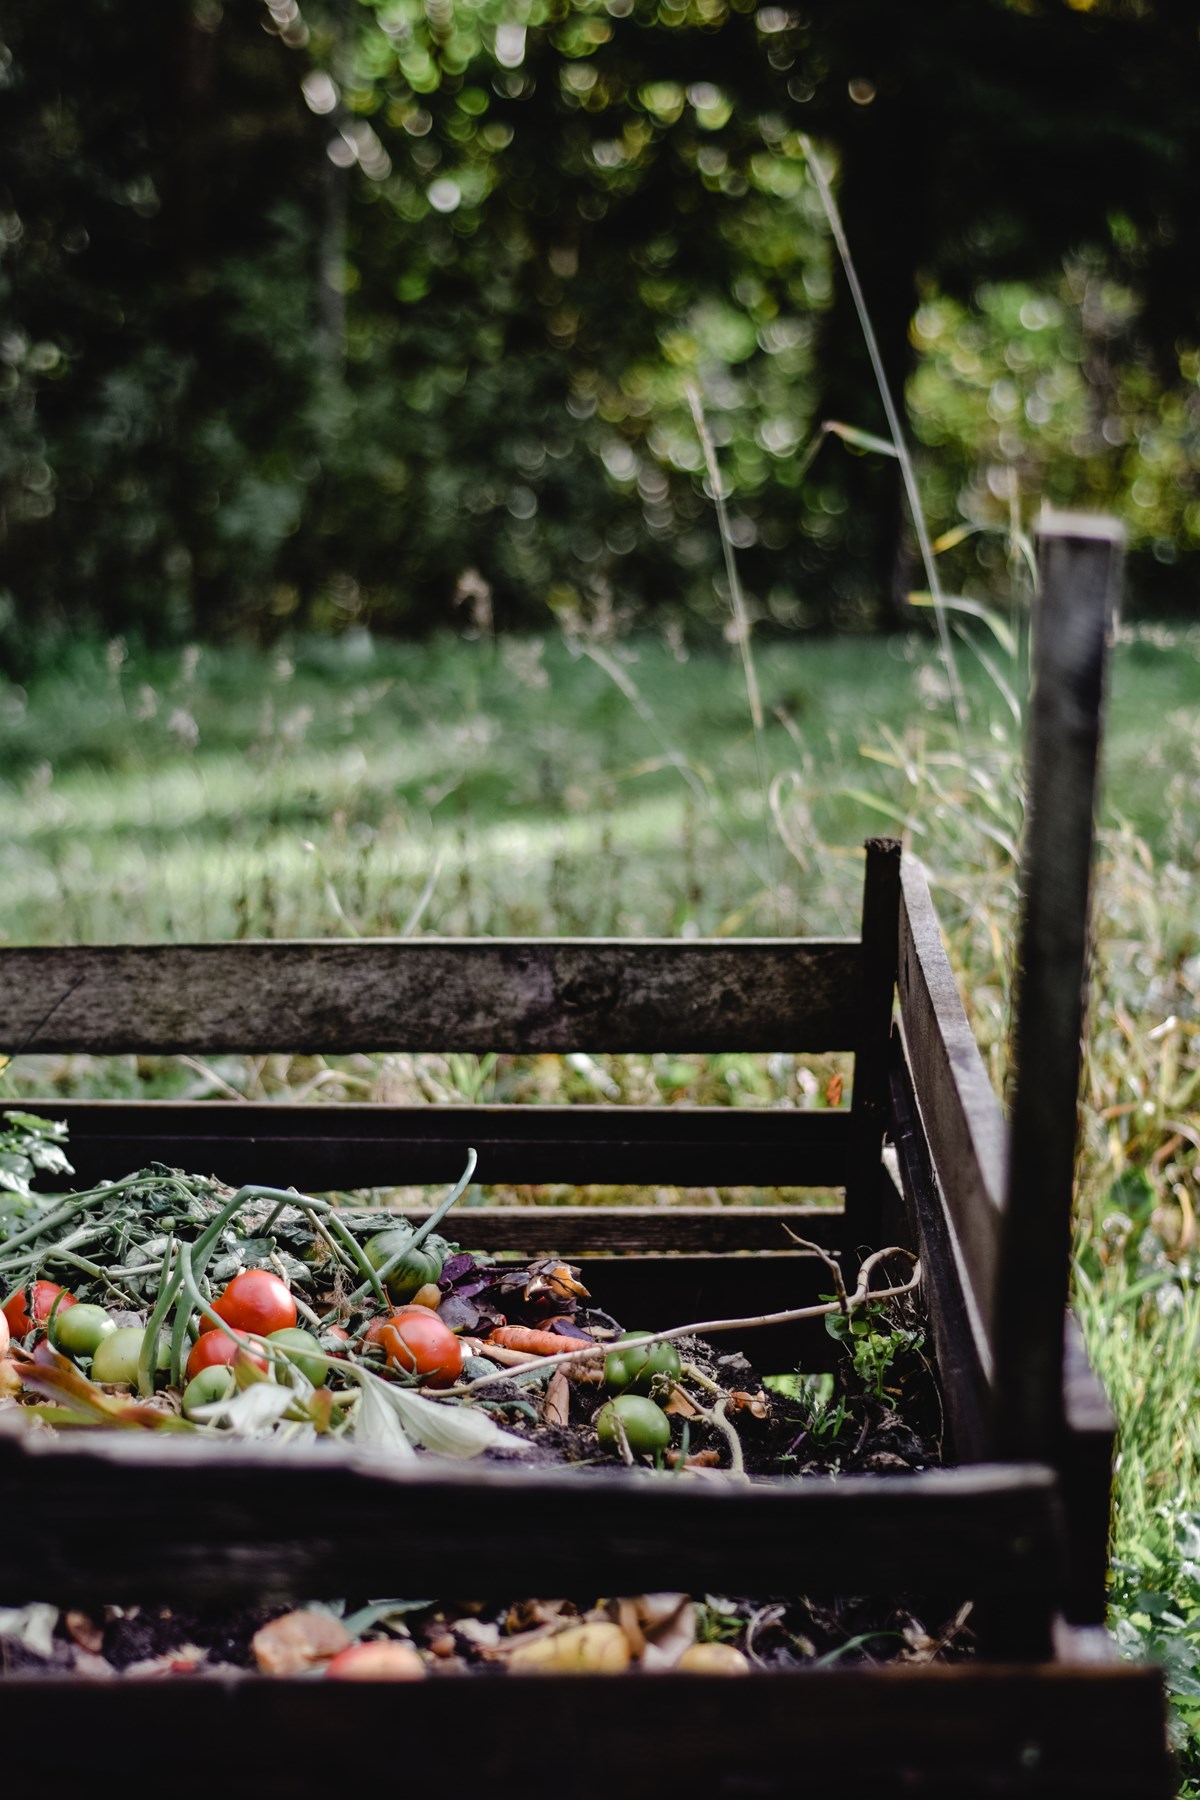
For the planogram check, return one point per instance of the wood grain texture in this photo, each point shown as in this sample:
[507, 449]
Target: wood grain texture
[959, 1340]
[960, 1116]
[1086, 1466]
[644, 1230]
[877, 995]
[351, 1146]
[173, 1522]
[1051, 1732]
[1073, 624]
[333, 996]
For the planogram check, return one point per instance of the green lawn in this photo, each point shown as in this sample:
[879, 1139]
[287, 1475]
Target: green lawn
[528, 787]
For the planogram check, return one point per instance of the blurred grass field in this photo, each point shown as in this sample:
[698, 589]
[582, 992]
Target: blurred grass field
[544, 786]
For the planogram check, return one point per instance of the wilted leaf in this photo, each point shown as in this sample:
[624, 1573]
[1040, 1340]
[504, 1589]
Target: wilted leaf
[54, 1376]
[377, 1425]
[250, 1412]
[33, 1626]
[444, 1428]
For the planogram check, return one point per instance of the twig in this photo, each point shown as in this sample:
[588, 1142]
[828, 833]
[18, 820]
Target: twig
[706, 1327]
[831, 1263]
[716, 1416]
[622, 1440]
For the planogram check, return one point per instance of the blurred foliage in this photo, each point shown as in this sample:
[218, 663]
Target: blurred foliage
[385, 312]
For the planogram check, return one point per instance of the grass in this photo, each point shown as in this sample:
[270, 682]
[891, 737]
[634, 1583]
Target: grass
[536, 786]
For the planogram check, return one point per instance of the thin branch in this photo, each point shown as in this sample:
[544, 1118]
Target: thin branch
[898, 439]
[539, 1365]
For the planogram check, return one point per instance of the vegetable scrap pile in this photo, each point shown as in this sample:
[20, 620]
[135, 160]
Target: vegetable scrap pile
[162, 1301]
[407, 1640]
[166, 1302]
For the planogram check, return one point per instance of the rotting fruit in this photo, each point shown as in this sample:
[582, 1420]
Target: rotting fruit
[387, 1660]
[81, 1329]
[258, 1301]
[418, 1267]
[218, 1349]
[210, 1385]
[32, 1306]
[116, 1356]
[419, 1344]
[646, 1427]
[637, 1370]
[301, 1348]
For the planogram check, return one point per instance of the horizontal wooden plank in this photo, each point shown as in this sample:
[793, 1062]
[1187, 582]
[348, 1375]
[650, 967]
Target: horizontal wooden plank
[334, 996]
[658, 1230]
[187, 1520]
[960, 1116]
[971, 1731]
[352, 1146]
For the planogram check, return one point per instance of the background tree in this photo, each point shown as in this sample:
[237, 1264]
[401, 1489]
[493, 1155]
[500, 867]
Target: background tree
[346, 313]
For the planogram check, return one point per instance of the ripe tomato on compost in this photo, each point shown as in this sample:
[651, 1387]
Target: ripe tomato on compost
[214, 1348]
[258, 1301]
[419, 1344]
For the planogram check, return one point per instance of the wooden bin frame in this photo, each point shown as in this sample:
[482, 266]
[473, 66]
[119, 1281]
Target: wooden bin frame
[1019, 1524]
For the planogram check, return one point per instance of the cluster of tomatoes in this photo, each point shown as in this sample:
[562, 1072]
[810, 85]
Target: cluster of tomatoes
[258, 1317]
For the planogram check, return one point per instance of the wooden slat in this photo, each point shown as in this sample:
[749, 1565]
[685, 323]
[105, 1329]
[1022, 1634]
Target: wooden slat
[1081, 563]
[646, 1230]
[966, 1731]
[960, 1116]
[959, 1341]
[173, 1522]
[331, 996]
[352, 1146]
[877, 993]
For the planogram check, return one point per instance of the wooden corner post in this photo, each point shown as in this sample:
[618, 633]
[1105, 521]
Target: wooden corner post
[1080, 572]
[872, 1046]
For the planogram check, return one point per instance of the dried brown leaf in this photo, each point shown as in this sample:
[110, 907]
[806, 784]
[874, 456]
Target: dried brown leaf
[757, 1405]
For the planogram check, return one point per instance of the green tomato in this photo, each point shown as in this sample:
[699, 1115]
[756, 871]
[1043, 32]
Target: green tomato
[639, 1370]
[79, 1330]
[646, 1427]
[301, 1347]
[116, 1356]
[210, 1385]
[415, 1267]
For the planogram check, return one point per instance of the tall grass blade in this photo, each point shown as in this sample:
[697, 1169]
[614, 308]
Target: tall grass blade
[898, 439]
[741, 621]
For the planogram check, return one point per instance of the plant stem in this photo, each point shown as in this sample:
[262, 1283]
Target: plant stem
[907, 470]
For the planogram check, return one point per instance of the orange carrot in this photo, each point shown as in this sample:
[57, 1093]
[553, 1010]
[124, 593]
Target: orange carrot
[532, 1342]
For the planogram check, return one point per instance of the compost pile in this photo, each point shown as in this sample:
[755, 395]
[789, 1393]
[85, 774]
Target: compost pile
[165, 1302]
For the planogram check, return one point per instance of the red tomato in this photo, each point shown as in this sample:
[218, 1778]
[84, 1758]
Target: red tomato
[258, 1301]
[215, 1347]
[33, 1305]
[421, 1345]
[377, 1327]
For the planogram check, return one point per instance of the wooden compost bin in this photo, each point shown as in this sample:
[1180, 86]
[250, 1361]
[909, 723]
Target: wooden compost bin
[1018, 1523]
